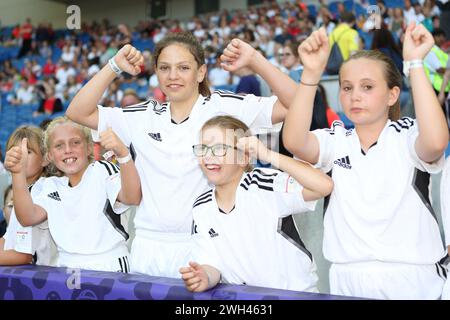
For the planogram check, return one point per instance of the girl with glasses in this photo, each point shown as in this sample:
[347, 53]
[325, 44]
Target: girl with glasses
[244, 231]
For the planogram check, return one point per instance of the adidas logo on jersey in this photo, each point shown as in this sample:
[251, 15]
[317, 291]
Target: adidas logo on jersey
[54, 196]
[212, 233]
[343, 162]
[156, 136]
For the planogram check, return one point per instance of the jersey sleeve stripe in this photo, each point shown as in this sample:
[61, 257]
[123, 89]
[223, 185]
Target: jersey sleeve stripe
[202, 202]
[106, 166]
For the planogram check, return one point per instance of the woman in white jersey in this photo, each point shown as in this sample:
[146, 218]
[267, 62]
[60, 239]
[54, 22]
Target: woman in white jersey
[380, 231]
[22, 245]
[244, 230]
[82, 205]
[160, 137]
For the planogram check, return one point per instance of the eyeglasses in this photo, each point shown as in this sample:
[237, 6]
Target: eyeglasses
[218, 150]
[285, 54]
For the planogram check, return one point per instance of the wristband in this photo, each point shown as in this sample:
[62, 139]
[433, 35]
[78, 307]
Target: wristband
[124, 159]
[407, 65]
[309, 84]
[114, 66]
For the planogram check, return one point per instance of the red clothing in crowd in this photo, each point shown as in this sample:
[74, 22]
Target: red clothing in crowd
[49, 69]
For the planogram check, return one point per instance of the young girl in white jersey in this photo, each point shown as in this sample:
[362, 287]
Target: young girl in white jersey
[83, 205]
[23, 245]
[445, 213]
[160, 137]
[380, 231]
[244, 231]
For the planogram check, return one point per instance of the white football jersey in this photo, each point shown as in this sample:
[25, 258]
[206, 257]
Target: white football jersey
[380, 207]
[257, 243]
[35, 240]
[84, 219]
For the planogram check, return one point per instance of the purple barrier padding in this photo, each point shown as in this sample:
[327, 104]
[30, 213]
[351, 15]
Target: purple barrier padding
[47, 283]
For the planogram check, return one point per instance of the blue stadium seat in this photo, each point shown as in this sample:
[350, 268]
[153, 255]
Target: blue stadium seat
[312, 10]
[349, 4]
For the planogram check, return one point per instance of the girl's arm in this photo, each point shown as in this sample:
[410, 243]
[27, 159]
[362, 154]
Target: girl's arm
[28, 214]
[130, 192]
[12, 257]
[297, 138]
[198, 278]
[239, 54]
[83, 108]
[433, 134]
[316, 184]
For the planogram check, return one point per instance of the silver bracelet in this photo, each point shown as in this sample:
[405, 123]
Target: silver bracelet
[114, 67]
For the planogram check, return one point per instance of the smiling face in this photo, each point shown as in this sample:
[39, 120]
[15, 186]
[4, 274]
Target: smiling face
[69, 151]
[288, 59]
[364, 92]
[178, 73]
[221, 170]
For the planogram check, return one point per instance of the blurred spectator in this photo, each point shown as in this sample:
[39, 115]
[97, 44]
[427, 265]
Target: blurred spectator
[248, 84]
[436, 60]
[49, 68]
[129, 98]
[45, 50]
[217, 75]
[64, 72]
[345, 35]
[24, 95]
[26, 33]
[50, 105]
[291, 61]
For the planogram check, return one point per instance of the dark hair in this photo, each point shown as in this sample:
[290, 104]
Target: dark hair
[438, 32]
[347, 17]
[188, 40]
[382, 38]
[390, 71]
[294, 48]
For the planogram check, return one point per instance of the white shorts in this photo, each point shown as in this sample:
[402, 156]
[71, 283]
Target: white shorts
[115, 260]
[160, 254]
[382, 280]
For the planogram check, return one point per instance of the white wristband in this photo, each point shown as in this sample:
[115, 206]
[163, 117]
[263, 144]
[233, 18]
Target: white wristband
[114, 66]
[407, 65]
[124, 159]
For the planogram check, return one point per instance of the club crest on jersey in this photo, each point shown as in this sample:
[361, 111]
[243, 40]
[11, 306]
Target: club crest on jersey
[343, 162]
[54, 196]
[155, 136]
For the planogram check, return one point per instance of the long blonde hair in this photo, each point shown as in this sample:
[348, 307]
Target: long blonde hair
[86, 133]
[391, 74]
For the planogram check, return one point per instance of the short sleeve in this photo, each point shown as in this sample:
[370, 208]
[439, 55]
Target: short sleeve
[254, 111]
[290, 193]
[257, 113]
[445, 201]
[327, 142]
[432, 168]
[110, 174]
[17, 237]
[203, 250]
[114, 118]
